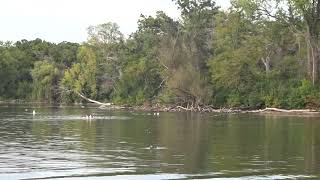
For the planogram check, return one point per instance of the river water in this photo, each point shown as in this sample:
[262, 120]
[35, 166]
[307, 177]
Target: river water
[59, 143]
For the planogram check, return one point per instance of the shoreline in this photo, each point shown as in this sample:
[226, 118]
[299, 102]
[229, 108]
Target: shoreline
[163, 108]
[271, 111]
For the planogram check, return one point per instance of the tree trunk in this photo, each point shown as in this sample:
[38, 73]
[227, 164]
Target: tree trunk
[313, 55]
[91, 100]
[312, 18]
[266, 62]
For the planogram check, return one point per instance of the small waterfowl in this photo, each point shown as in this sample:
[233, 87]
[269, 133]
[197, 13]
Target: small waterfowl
[153, 147]
[90, 117]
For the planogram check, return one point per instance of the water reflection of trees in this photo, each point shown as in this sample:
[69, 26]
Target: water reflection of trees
[199, 143]
[312, 145]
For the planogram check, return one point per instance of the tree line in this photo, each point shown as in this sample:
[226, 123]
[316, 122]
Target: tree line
[258, 53]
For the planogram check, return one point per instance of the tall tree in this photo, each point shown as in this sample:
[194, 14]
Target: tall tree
[81, 78]
[45, 81]
[302, 18]
[107, 41]
[309, 10]
[184, 53]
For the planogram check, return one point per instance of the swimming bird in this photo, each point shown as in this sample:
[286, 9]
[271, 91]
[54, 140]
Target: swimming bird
[90, 117]
[34, 112]
[152, 147]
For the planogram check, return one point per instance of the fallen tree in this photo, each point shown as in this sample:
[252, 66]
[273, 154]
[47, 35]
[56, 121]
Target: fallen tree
[92, 101]
[208, 109]
[86, 98]
[286, 111]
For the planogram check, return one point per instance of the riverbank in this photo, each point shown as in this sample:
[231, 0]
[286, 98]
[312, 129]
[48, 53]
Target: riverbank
[168, 108]
[209, 109]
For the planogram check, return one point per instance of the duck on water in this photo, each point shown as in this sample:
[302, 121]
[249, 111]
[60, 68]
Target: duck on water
[90, 117]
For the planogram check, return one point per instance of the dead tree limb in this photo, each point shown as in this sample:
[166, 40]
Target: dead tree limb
[86, 98]
[92, 101]
[285, 111]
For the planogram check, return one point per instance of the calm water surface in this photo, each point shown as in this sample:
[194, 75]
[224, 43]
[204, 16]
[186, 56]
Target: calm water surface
[59, 143]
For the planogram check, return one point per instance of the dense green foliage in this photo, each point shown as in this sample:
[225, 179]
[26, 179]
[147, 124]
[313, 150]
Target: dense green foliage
[255, 54]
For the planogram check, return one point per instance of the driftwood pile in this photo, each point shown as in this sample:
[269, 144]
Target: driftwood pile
[213, 110]
[293, 111]
[208, 109]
